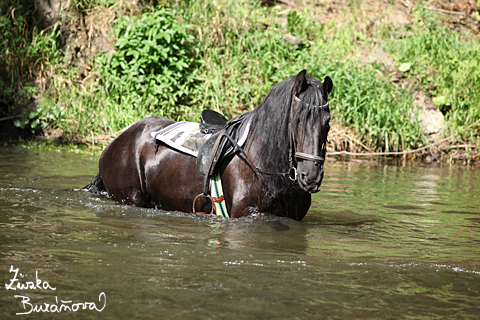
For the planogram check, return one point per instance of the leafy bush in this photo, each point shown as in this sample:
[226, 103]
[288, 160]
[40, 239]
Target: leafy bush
[42, 115]
[155, 64]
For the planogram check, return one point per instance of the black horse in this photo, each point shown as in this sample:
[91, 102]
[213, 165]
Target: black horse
[281, 166]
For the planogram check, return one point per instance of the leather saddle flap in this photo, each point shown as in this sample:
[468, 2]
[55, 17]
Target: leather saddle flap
[205, 153]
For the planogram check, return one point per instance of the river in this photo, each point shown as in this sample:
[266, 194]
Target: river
[379, 242]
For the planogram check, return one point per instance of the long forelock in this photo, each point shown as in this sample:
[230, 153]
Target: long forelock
[308, 106]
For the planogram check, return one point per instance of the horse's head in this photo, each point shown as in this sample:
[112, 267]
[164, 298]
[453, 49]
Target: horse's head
[309, 126]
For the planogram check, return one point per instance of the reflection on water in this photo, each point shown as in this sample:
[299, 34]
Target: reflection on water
[379, 242]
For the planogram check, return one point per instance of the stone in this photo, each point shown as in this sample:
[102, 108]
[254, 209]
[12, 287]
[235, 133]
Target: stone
[292, 40]
[429, 116]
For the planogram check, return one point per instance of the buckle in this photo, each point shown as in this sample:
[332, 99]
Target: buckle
[292, 174]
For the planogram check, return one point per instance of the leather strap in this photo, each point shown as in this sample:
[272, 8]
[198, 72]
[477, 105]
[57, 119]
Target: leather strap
[310, 157]
[212, 162]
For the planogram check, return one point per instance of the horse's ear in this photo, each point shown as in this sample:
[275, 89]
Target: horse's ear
[300, 83]
[328, 84]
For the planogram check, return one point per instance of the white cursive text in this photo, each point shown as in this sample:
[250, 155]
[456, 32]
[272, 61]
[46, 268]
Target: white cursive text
[63, 306]
[38, 284]
[56, 307]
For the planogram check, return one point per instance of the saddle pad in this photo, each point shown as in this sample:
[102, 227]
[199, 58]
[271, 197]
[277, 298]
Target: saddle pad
[183, 136]
[186, 136]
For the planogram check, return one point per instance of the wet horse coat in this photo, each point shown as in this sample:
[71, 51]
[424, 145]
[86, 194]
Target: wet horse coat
[288, 134]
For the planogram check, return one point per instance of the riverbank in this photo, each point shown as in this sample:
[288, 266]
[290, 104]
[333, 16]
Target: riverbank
[405, 74]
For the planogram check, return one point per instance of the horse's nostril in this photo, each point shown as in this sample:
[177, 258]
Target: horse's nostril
[310, 179]
[303, 176]
[306, 179]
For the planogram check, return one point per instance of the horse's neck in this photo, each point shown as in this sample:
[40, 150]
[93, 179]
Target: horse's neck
[271, 148]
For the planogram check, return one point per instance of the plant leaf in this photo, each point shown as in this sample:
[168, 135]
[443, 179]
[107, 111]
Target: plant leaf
[405, 66]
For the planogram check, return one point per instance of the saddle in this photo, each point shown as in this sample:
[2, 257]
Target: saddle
[225, 141]
[210, 141]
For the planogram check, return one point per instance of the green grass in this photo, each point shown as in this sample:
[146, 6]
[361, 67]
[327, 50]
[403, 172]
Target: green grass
[232, 52]
[252, 59]
[26, 52]
[447, 65]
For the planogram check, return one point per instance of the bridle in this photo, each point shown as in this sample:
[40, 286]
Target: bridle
[294, 156]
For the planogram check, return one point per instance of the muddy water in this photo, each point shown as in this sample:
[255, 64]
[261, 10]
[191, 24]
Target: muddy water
[382, 242]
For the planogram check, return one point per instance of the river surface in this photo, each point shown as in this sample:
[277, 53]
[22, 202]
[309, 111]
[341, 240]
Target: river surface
[380, 242]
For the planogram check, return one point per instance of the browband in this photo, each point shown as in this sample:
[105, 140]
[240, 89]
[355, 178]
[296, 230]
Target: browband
[298, 100]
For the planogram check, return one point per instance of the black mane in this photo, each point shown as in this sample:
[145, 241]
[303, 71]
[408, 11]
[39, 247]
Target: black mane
[270, 122]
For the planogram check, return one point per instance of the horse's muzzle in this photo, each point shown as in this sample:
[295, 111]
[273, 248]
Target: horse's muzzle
[310, 181]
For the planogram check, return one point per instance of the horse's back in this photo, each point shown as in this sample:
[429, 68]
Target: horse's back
[134, 173]
[120, 163]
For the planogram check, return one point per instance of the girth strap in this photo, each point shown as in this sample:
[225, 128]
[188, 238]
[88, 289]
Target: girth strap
[217, 196]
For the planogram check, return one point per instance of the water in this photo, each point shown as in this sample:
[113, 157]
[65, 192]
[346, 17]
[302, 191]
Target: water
[382, 242]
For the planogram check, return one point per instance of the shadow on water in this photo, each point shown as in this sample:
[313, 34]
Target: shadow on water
[379, 242]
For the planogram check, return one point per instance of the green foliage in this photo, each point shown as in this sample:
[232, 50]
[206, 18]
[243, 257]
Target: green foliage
[243, 67]
[25, 52]
[151, 72]
[447, 65]
[404, 67]
[378, 111]
[90, 4]
[88, 109]
[154, 66]
[41, 117]
[240, 75]
[226, 55]
[293, 21]
[302, 25]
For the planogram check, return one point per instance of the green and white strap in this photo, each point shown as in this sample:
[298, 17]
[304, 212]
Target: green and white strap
[217, 195]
